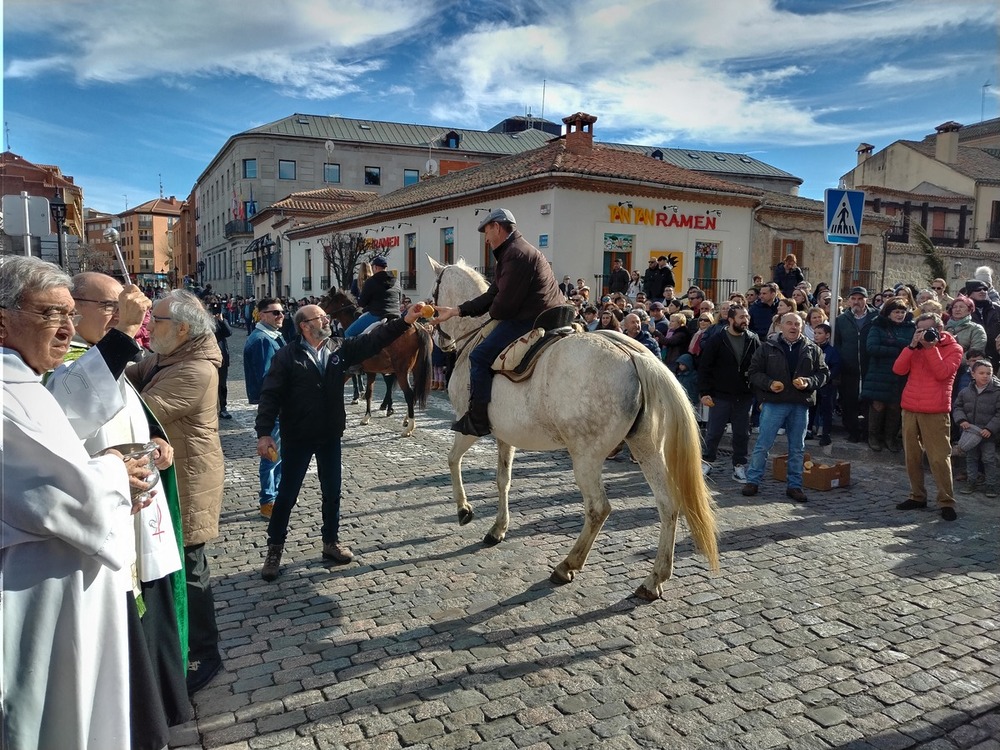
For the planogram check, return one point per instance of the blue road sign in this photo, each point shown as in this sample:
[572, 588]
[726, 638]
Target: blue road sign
[844, 210]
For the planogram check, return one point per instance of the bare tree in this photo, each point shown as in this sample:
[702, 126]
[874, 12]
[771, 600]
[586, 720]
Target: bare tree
[345, 251]
[90, 258]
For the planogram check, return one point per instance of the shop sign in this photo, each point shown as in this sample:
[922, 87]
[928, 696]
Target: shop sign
[650, 217]
[380, 243]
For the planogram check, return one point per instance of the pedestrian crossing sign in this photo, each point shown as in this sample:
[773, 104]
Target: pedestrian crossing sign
[844, 211]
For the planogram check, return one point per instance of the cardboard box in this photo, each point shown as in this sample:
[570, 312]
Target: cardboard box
[820, 475]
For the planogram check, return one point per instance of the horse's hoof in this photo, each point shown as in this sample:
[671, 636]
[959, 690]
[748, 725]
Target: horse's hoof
[646, 595]
[559, 579]
[364, 420]
[491, 541]
[465, 515]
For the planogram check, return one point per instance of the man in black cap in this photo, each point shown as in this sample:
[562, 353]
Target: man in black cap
[851, 339]
[986, 314]
[523, 287]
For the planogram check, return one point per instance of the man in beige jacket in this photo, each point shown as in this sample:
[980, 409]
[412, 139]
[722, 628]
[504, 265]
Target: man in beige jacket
[180, 386]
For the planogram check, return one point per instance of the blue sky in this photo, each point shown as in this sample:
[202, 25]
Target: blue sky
[123, 93]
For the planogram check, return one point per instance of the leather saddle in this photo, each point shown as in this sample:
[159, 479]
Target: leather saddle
[517, 362]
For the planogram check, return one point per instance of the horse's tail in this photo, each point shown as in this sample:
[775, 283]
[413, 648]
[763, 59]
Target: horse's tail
[422, 368]
[674, 429]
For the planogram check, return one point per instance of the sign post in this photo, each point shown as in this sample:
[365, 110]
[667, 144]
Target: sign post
[843, 212]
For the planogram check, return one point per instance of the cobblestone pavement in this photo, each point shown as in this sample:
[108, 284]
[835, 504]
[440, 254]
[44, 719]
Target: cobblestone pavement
[840, 623]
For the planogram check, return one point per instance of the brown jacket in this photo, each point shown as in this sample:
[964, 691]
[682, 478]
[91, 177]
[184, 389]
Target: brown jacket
[182, 391]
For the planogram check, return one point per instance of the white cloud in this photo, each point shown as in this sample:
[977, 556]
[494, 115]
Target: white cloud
[726, 70]
[308, 48]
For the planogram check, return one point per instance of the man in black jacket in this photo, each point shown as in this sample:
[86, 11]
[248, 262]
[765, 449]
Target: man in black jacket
[523, 287]
[724, 387]
[305, 387]
[619, 278]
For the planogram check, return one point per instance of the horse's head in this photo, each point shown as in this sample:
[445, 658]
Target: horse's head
[340, 305]
[454, 285]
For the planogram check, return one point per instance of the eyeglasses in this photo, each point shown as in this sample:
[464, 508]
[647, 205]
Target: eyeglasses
[705, 320]
[273, 312]
[107, 305]
[160, 319]
[52, 316]
[318, 317]
[938, 288]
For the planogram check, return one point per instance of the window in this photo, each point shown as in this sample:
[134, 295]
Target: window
[331, 173]
[780, 248]
[249, 169]
[448, 245]
[411, 176]
[373, 175]
[410, 277]
[286, 169]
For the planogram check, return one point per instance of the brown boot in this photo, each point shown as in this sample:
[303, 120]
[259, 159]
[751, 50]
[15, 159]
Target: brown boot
[476, 421]
[272, 563]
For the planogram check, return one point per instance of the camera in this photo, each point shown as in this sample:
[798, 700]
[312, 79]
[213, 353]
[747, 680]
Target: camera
[931, 334]
[215, 308]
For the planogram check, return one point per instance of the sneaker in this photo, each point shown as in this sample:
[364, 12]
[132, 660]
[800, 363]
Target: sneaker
[337, 552]
[266, 509]
[968, 488]
[272, 563]
[706, 468]
[825, 440]
[796, 494]
[200, 673]
[740, 473]
[948, 513]
[992, 491]
[911, 504]
[810, 435]
[225, 415]
[781, 430]
[750, 489]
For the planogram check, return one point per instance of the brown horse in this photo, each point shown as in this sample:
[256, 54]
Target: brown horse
[411, 352]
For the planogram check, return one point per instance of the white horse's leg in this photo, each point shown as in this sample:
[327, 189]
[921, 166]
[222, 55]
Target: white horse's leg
[654, 468]
[596, 510]
[458, 449]
[505, 460]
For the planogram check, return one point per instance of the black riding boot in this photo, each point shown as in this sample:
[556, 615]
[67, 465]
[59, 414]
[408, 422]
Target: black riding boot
[476, 421]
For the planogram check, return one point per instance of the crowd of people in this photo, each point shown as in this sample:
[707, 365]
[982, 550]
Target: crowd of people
[114, 626]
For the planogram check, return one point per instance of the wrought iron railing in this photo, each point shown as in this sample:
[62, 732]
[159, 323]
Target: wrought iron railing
[408, 280]
[716, 290]
[324, 283]
[307, 283]
[237, 227]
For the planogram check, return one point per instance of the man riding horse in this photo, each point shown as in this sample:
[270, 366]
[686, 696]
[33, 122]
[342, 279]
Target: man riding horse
[523, 287]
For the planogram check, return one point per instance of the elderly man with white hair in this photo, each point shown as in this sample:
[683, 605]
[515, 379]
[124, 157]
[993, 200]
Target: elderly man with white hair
[180, 386]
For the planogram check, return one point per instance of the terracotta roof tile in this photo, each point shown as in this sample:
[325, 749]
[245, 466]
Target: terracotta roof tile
[978, 163]
[551, 161]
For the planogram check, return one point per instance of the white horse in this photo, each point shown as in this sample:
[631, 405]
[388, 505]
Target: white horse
[587, 394]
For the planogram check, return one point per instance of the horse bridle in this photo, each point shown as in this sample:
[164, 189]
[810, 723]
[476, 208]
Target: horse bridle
[446, 342]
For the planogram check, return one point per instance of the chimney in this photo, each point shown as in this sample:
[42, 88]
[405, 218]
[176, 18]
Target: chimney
[864, 151]
[946, 142]
[580, 133]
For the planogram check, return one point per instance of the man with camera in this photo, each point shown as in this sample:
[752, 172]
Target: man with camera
[930, 361]
[222, 332]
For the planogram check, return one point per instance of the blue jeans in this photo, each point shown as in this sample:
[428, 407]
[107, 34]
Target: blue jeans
[794, 418]
[270, 472]
[482, 357]
[296, 457]
[358, 326]
[729, 409]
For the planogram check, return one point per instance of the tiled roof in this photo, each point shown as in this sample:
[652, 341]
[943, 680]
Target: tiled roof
[793, 202]
[940, 196]
[322, 201]
[16, 162]
[550, 162]
[980, 164]
[377, 132]
[970, 132]
[718, 162]
[156, 206]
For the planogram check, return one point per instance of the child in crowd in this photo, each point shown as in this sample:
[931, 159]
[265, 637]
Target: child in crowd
[977, 413]
[826, 395]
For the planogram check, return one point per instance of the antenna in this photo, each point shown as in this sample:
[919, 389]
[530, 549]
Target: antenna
[126, 200]
[543, 99]
[6, 132]
[982, 107]
[160, 175]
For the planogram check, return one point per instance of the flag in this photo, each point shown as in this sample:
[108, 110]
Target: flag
[235, 207]
[242, 207]
[251, 205]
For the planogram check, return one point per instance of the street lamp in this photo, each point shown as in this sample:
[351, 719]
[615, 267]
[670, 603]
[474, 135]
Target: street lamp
[58, 208]
[268, 248]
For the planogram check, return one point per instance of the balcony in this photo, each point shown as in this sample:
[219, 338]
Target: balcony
[993, 231]
[408, 280]
[238, 227]
[307, 283]
[324, 283]
[715, 289]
